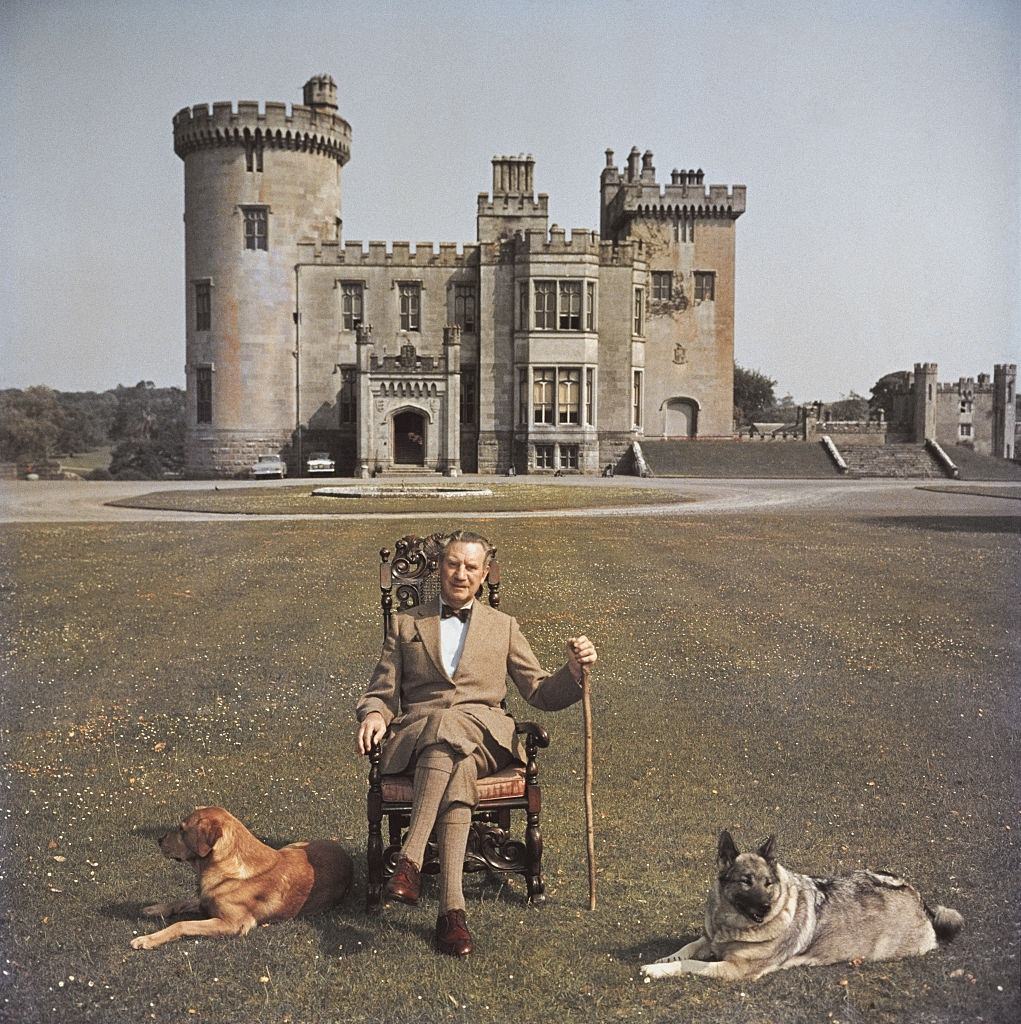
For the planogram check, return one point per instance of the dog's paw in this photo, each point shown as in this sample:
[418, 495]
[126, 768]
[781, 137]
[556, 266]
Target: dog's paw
[142, 942]
[650, 972]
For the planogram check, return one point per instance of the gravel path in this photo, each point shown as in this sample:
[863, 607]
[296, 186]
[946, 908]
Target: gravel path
[84, 502]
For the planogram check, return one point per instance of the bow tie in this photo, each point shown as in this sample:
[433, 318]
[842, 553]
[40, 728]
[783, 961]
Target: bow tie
[461, 613]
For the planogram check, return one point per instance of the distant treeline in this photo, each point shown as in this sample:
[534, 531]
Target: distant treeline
[144, 425]
[755, 400]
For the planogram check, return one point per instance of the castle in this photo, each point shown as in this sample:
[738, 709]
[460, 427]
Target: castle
[529, 350]
[978, 414]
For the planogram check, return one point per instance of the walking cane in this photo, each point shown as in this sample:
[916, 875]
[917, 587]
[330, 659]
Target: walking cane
[586, 704]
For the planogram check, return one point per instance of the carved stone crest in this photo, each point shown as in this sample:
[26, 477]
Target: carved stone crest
[680, 355]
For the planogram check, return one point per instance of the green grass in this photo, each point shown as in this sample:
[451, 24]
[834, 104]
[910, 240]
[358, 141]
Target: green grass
[98, 458]
[851, 686]
[299, 500]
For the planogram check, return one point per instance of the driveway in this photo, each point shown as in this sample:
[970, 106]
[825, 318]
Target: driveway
[76, 501]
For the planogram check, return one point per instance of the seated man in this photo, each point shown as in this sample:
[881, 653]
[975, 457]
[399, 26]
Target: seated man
[437, 689]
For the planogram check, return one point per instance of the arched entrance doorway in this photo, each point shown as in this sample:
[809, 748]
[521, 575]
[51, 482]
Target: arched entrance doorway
[409, 439]
[680, 417]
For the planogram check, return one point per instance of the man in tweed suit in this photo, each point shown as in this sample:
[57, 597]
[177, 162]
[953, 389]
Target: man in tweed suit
[435, 695]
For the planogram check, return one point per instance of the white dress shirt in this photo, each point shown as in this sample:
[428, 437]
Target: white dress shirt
[452, 635]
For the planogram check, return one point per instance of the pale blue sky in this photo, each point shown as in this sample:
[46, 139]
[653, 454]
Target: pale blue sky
[879, 143]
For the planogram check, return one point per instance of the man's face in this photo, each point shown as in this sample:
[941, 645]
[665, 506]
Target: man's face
[462, 570]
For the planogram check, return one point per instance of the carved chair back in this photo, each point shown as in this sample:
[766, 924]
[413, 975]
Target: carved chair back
[412, 578]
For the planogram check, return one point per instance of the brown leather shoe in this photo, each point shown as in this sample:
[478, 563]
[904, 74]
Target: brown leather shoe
[452, 935]
[406, 883]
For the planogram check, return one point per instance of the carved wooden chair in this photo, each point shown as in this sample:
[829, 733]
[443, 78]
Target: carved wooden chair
[411, 576]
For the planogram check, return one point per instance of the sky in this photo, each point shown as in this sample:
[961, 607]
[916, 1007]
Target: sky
[880, 143]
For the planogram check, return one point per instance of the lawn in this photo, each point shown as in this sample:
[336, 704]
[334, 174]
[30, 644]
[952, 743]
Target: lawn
[850, 685]
[98, 458]
[299, 500]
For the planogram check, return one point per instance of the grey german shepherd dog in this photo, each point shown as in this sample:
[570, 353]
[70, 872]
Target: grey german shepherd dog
[760, 917]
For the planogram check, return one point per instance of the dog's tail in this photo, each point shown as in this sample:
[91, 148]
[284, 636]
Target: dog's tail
[946, 923]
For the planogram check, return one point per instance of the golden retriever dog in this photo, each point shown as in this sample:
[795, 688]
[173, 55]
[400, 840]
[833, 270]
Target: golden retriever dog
[243, 882]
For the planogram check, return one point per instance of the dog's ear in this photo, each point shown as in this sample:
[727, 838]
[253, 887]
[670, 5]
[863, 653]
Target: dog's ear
[767, 850]
[726, 851]
[201, 836]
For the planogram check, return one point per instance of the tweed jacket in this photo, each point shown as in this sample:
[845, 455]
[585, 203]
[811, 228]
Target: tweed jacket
[420, 702]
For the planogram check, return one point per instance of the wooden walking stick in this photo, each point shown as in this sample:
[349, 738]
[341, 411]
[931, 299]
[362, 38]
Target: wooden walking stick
[586, 704]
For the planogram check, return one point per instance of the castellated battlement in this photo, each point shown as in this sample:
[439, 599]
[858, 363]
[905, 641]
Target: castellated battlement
[277, 125]
[711, 201]
[397, 254]
[967, 386]
[638, 191]
[511, 204]
[582, 242]
[622, 254]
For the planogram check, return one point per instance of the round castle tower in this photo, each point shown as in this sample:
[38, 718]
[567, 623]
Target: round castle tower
[256, 183]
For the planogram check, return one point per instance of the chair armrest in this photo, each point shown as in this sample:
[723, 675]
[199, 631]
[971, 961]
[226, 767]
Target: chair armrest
[536, 733]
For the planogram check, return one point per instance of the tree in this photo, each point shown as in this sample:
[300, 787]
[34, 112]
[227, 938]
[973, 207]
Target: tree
[140, 459]
[148, 422]
[30, 422]
[849, 407]
[149, 425]
[86, 420]
[888, 394]
[753, 394]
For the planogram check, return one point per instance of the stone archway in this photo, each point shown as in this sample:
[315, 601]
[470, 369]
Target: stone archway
[680, 417]
[409, 438]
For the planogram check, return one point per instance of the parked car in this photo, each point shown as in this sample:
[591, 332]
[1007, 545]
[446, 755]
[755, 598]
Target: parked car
[320, 462]
[268, 465]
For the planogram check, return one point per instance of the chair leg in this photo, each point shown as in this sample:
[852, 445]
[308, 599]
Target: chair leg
[534, 852]
[533, 834]
[374, 848]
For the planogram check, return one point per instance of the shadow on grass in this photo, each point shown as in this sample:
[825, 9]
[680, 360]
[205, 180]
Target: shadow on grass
[648, 952]
[339, 935]
[952, 524]
[125, 910]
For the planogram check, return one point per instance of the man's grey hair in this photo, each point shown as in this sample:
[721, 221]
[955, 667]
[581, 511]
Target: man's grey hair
[468, 537]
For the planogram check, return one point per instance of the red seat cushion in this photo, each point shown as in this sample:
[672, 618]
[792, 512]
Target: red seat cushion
[508, 782]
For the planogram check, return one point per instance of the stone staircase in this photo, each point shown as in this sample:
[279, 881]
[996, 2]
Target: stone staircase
[903, 461]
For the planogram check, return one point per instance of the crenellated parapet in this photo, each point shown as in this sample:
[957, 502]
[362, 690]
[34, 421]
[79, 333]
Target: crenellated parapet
[967, 386]
[622, 254]
[314, 129]
[633, 191]
[555, 242]
[583, 244]
[513, 205]
[710, 201]
[394, 254]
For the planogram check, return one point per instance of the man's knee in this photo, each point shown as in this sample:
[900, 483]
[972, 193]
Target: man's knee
[439, 757]
[461, 787]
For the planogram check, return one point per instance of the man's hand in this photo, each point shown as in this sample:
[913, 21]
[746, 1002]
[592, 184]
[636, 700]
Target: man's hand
[580, 653]
[372, 730]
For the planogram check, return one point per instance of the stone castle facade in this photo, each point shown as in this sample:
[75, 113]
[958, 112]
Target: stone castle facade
[980, 414]
[530, 349]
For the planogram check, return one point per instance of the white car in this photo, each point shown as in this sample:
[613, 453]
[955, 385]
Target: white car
[320, 462]
[267, 466]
